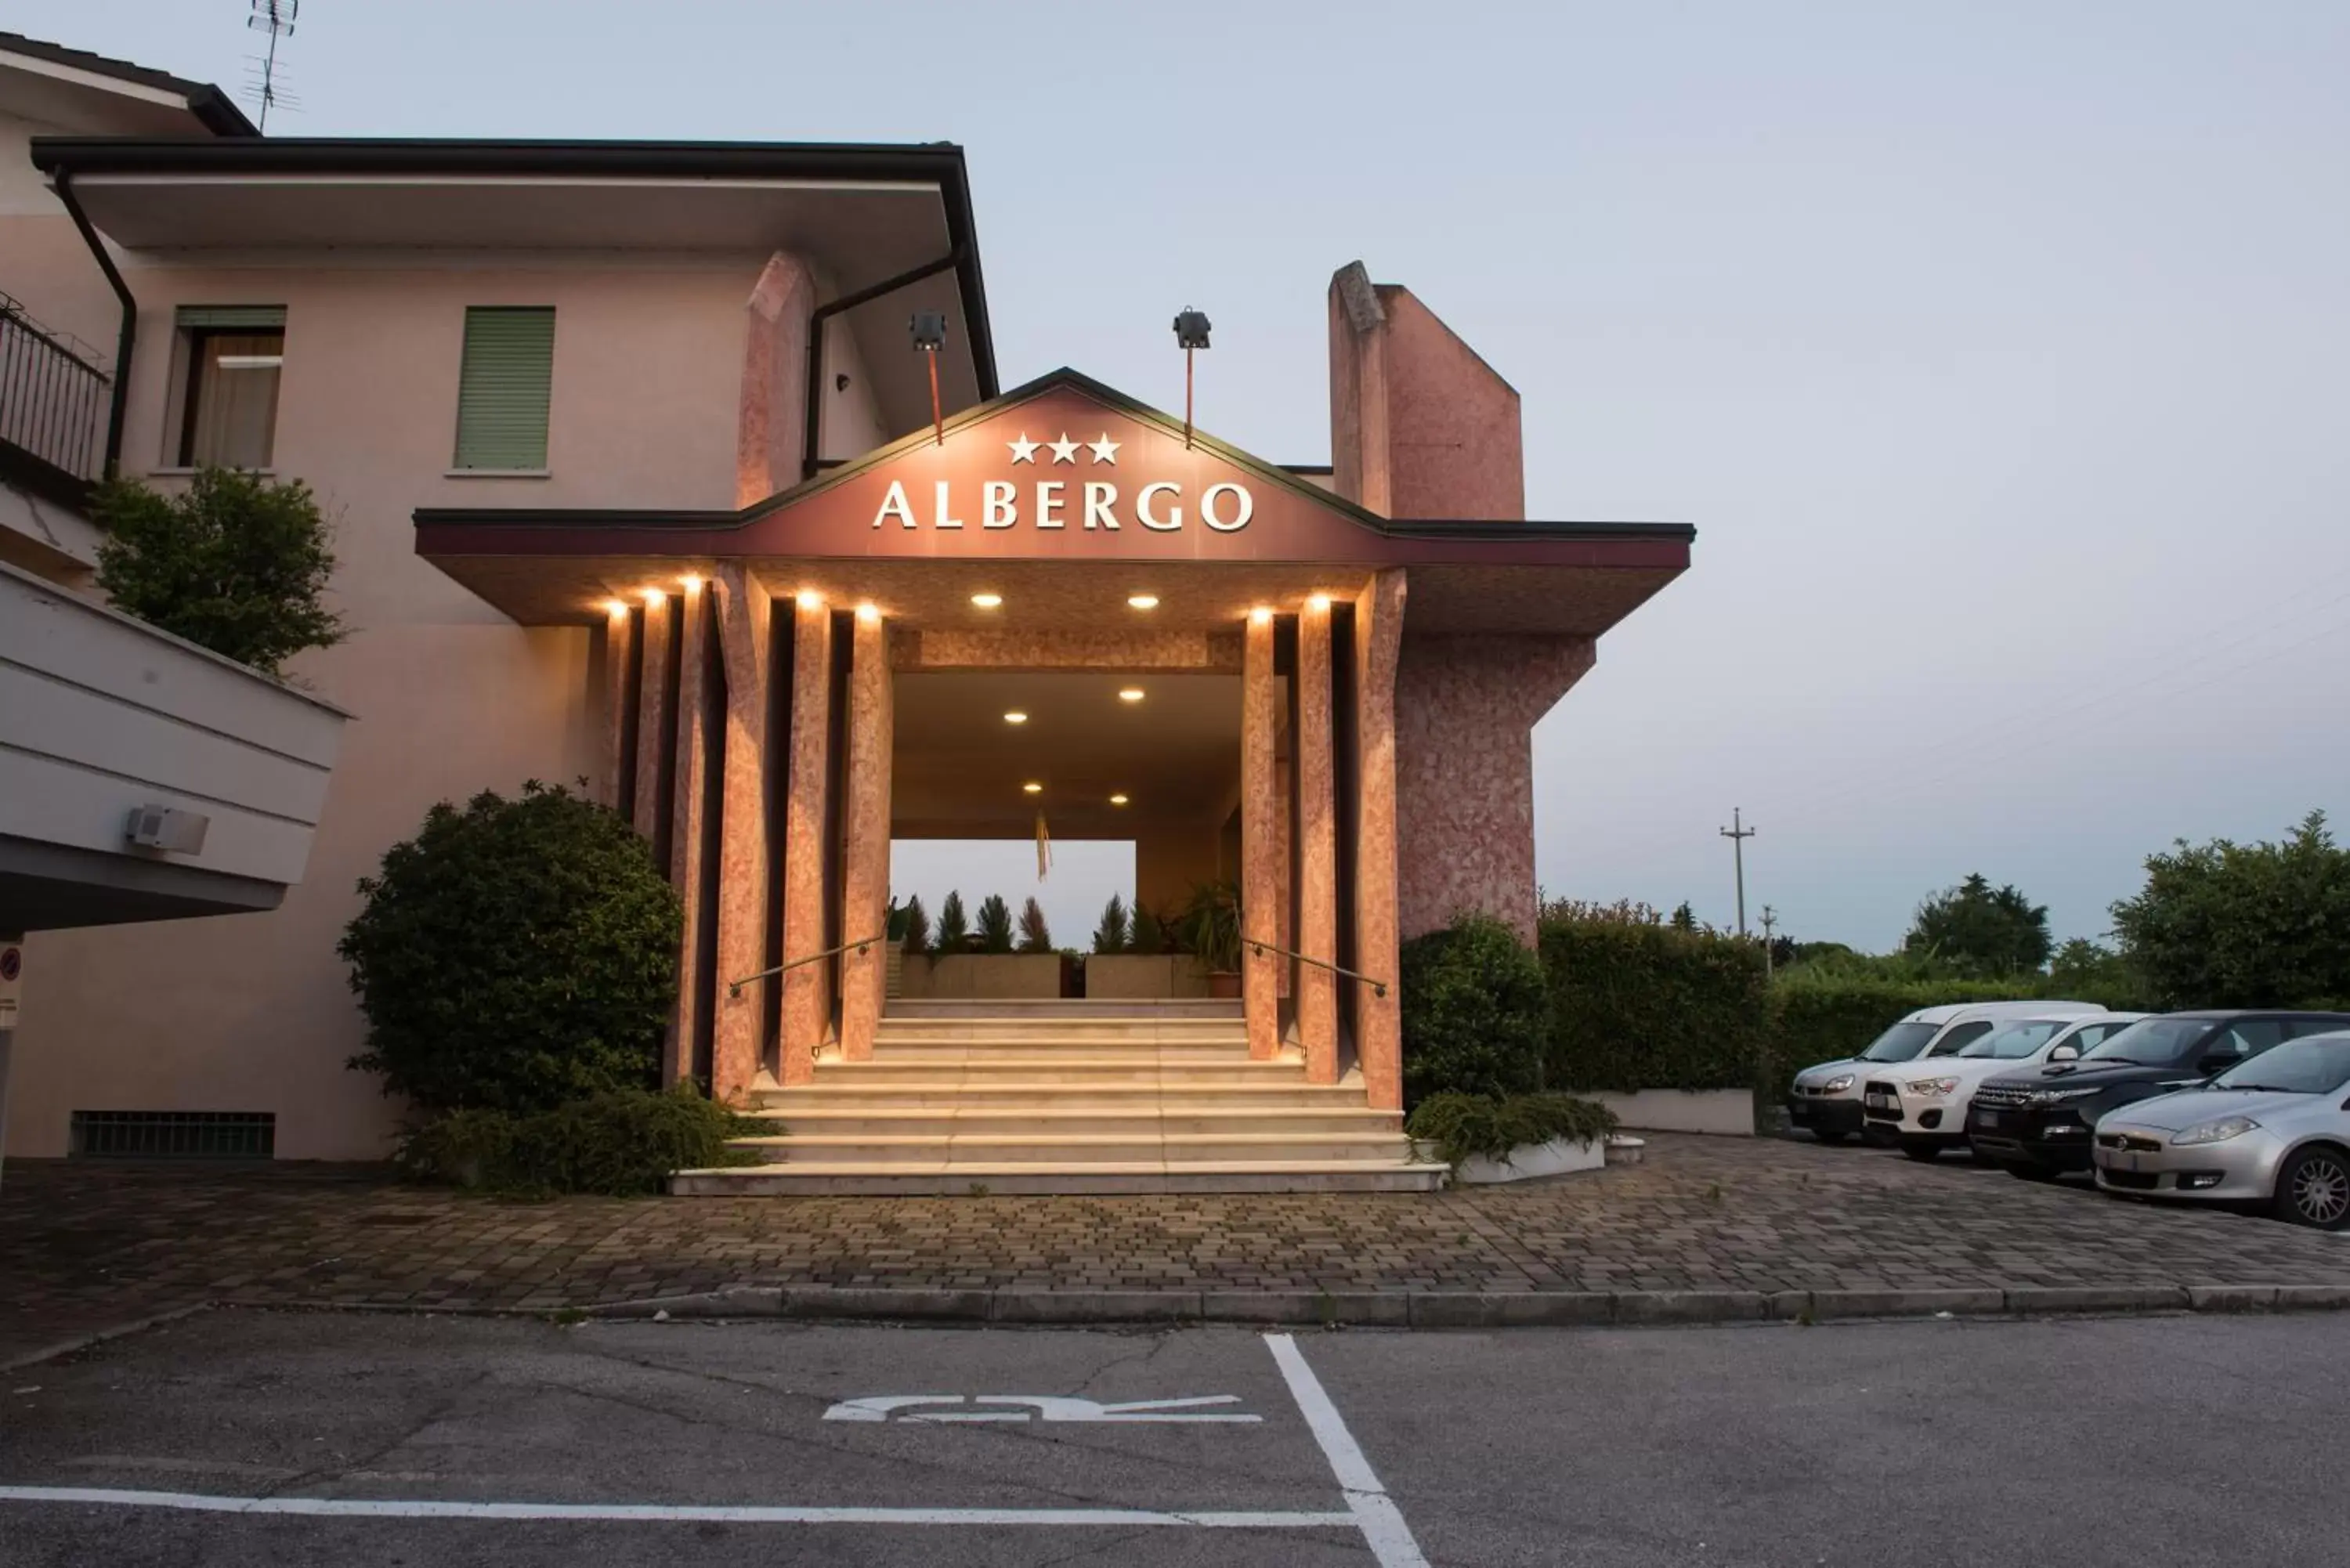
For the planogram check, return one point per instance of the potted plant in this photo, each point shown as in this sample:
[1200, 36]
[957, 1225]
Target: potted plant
[1210, 927]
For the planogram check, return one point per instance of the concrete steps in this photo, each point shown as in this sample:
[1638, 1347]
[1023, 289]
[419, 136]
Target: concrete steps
[1066, 1096]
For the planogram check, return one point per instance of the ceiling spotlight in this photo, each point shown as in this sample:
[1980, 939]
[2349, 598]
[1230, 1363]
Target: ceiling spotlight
[1032, 787]
[987, 601]
[868, 613]
[1261, 616]
[1142, 601]
[616, 607]
[1317, 603]
[1015, 717]
[1118, 800]
[1130, 694]
[654, 595]
[810, 599]
[691, 583]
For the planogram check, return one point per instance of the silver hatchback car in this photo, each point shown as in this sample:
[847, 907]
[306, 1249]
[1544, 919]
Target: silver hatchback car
[2273, 1131]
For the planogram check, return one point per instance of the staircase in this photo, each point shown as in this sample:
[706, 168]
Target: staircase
[1067, 1096]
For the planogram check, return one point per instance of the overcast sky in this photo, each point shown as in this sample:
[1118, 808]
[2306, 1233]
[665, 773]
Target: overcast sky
[1997, 351]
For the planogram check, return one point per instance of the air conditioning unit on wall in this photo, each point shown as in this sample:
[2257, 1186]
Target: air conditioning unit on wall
[167, 828]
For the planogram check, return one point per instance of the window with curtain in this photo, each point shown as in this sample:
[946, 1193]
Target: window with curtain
[234, 355]
[505, 387]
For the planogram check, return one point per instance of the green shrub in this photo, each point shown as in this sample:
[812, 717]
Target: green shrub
[1148, 936]
[993, 932]
[1638, 1003]
[238, 563]
[1114, 932]
[513, 955]
[623, 1143]
[1474, 1012]
[1210, 926]
[1466, 1126]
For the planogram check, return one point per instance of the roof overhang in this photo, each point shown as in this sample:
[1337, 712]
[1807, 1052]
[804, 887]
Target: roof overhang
[909, 528]
[88, 93]
[859, 214]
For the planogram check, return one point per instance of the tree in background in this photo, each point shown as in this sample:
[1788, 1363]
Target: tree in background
[2229, 925]
[238, 563]
[1977, 929]
[954, 926]
[1684, 918]
[914, 928]
[993, 933]
[1036, 936]
[1115, 934]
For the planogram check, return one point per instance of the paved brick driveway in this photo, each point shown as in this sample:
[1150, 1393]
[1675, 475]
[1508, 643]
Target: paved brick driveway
[84, 1246]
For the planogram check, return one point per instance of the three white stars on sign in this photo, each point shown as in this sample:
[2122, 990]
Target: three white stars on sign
[1104, 450]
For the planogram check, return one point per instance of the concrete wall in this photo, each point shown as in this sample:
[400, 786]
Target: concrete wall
[981, 977]
[1144, 976]
[1728, 1113]
[254, 1013]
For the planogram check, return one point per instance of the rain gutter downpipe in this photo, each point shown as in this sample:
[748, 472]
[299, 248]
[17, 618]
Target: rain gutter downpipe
[809, 459]
[128, 338]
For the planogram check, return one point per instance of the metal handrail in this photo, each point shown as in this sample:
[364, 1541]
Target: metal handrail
[1378, 987]
[734, 987]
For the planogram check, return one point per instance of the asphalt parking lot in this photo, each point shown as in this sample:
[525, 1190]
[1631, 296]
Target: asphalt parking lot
[386, 1440]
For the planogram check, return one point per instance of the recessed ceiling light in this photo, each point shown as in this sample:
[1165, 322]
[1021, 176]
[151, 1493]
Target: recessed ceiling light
[616, 607]
[1033, 787]
[691, 582]
[1015, 717]
[1319, 602]
[1143, 601]
[868, 613]
[811, 599]
[654, 595]
[1130, 694]
[987, 601]
[1118, 800]
[1261, 616]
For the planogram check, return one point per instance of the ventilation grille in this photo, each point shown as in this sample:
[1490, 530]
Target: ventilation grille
[174, 1134]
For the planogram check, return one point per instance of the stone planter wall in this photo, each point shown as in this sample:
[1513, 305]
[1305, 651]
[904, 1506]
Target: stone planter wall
[981, 977]
[1135, 977]
[1557, 1158]
[1728, 1112]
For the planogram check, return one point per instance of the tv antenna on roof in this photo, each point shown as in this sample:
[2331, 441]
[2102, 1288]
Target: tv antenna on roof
[276, 18]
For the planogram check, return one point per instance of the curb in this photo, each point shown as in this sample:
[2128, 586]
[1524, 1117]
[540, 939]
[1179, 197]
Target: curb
[1463, 1309]
[100, 1335]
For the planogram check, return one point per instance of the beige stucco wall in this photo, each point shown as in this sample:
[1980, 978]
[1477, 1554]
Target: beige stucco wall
[252, 1012]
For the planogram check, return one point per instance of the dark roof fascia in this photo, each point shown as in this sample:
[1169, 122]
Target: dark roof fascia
[940, 162]
[211, 108]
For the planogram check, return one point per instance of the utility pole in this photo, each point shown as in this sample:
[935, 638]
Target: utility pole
[1738, 833]
[1768, 921]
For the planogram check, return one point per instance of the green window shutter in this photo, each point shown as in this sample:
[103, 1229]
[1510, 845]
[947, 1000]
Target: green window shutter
[504, 388]
[251, 317]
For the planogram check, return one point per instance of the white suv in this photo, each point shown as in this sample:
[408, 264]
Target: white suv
[1922, 1106]
[1824, 1099]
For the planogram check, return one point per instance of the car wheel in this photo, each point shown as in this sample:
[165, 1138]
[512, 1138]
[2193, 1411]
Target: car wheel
[1922, 1151]
[1826, 1136]
[2314, 1189]
[2025, 1171]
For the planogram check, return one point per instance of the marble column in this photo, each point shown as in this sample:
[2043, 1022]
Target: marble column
[696, 722]
[1317, 847]
[865, 977]
[808, 989]
[652, 719]
[1262, 883]
[743, 612]
[620, 640]
[1378, 639]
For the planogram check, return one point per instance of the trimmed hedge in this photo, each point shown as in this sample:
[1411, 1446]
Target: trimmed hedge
[1637, 1003]
[1474, 1012]
[622, 1144]
[1466, 1126]
[1823, 1019]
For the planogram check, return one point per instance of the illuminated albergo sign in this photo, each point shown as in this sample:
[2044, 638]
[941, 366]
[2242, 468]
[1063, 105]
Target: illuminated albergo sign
[1092, 504]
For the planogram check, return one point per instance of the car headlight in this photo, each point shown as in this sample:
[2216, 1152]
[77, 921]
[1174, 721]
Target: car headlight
[2057, 1096]
[2218, 1131]
[1931, 1088]
[1836, 1085]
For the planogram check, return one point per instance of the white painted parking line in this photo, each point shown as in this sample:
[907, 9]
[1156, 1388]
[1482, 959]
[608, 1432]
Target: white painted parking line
[1375, 1511]
[633, 1512]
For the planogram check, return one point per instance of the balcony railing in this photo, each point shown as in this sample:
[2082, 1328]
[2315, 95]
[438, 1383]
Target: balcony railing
[54, 395]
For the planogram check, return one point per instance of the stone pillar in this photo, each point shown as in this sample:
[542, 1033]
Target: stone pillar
[689, 775]
[652, 719]
[1317, 847]
[743, 612]
[620, 639]
[1261, 882]
[1379, 639]
[808, 989]
[771, 422]
[865, 977]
